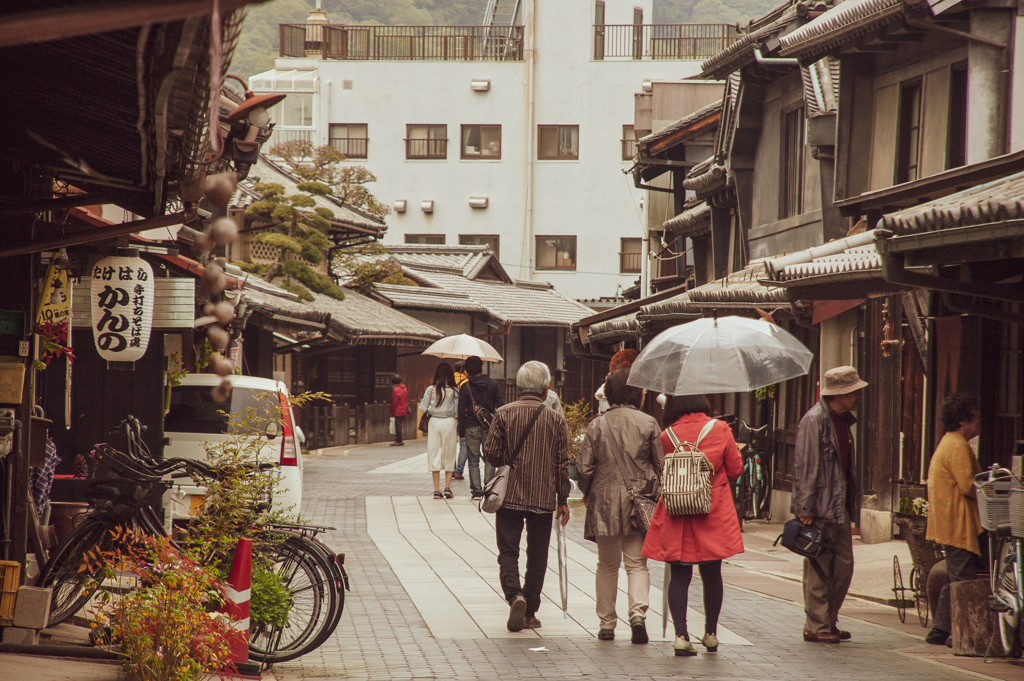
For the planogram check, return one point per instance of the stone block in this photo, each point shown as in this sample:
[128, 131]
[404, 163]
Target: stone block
[32, 609]
[875, 526]
[19, 636]
[973, 624]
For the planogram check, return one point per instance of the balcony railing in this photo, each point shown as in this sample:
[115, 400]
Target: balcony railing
[402, 43]
[351, 147]
[661, 41]
[426, 148]
[629, 263]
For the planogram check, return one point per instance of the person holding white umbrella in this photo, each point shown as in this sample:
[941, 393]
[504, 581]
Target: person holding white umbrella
[441, 400]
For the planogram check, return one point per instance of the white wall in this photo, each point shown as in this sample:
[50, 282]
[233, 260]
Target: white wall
[589, 198]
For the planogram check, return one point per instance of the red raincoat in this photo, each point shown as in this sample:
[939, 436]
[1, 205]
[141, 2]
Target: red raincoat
[700, 538]
[399, 400]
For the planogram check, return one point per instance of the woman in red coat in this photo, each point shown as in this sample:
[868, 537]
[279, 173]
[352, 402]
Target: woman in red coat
[704, 540]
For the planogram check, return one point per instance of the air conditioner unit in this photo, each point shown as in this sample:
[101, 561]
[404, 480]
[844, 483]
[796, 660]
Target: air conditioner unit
[480, 84]
[427, 206]
[399, 206]
[478, 202]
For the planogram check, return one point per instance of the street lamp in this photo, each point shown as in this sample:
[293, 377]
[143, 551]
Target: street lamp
[246, 123]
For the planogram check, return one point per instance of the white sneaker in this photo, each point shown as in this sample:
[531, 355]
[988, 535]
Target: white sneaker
[683, 647]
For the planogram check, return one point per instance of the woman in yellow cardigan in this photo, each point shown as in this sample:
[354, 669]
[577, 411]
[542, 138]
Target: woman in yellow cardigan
[953, 519]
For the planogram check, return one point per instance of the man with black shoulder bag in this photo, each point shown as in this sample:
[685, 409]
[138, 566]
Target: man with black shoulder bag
[479, 398]
[534, 441]
[825, 495]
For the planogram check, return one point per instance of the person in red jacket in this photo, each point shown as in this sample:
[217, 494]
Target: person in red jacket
[399, 407]
[702, 540]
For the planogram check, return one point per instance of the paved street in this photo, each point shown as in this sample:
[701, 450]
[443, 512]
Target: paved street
[425, 601]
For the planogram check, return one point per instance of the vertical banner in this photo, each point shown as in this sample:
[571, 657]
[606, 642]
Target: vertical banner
[122, 307]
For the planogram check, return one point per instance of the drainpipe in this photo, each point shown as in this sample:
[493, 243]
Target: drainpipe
[528, 256]
[774, 61]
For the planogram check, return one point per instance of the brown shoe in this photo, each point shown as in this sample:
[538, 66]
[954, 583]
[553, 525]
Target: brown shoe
[843, 635]
[821, 638]
[457, 477]
[531, 622]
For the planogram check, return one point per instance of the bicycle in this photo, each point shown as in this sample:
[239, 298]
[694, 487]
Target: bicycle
[1001, 508]
[753, 488]
[314, 575]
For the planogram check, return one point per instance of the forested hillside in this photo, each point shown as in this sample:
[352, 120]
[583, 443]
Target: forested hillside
[258, 46]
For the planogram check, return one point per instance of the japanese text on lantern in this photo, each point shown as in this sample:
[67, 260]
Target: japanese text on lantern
[122, 313]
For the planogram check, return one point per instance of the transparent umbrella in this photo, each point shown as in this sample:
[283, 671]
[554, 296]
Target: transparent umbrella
[463, 346]
[725, 355]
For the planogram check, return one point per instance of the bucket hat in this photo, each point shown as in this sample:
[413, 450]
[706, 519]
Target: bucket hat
[842, 380]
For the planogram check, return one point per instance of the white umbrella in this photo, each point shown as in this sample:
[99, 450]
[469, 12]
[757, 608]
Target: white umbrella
[463, 346]
[730, 354]
[563, 568]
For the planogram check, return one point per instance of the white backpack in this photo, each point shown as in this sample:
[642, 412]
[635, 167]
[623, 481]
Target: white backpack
[687, 475]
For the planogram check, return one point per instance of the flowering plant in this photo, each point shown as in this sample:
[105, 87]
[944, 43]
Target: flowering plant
[166, 625]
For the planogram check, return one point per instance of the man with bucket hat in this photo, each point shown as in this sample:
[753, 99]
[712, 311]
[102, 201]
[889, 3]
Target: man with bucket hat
[825, 495]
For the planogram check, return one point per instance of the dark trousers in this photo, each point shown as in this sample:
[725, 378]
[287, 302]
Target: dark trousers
[678, 594]
[961, 566]
[509, 525]
[399, 420]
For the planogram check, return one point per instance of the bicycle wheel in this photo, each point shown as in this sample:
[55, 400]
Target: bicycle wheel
[66, 573]
[1008, 593]
[898, 590]
[756, 497]
[917, 585]
[314, 599]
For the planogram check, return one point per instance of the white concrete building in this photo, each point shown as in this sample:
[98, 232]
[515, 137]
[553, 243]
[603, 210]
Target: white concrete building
[512, 134]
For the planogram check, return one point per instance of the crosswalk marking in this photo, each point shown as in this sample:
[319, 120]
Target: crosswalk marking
[445, 555]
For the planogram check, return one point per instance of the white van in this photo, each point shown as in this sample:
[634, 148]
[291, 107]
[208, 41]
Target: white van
[195, 422]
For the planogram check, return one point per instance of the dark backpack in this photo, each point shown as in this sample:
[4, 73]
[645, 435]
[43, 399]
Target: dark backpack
[483, 415]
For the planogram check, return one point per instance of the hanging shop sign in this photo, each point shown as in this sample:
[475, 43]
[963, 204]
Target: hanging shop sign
[122, 307]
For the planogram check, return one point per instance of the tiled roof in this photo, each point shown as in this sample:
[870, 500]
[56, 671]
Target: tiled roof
[821, 87]
[706, 176]
[615, 330]
[741, 52]
[850, 258]
[286, 315]
[359, 320]
[265, 170]
[470, 261]
[843, 22]
[738, 291]
[995, 201]
[697, 122]
[693, 222]
[424, 298]
[520, 303]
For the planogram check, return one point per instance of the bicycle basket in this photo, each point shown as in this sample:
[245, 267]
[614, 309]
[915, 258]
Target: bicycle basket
[1017, 512]
[994, 502]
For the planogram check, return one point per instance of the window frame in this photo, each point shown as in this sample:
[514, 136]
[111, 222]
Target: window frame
[464, 128]
[564, 268]
[441, 142]
[495, 248]
[628, 143]
[908, 133]
[348, 140]
[639, 242]
[791, 198]
[558, 132]
[424, 239]
[956, 120]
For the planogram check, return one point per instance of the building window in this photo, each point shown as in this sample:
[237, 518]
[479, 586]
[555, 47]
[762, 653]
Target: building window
[956, 137]
[481, 141]
[349, 139]
[599, 30]
[296, 111]
[791, 175]
[628, 143]
[908, 141]
[492, 241]
[630, 255]
[558, 142]
[436, 239]
[426, 141]
[556, 253]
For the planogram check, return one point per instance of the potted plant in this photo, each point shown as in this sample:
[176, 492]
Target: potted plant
[577, 417]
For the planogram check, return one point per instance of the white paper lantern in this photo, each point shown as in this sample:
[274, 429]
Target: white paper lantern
[122, 307]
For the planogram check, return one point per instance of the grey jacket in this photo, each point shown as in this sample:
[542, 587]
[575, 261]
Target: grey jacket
[634, 437]
[819, 482]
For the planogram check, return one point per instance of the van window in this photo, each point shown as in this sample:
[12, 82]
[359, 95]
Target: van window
[193, 409]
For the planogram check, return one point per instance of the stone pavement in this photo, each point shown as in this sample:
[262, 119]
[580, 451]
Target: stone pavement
[425, 602]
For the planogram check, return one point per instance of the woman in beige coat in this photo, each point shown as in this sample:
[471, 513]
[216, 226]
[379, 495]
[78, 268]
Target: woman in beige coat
[623, 438]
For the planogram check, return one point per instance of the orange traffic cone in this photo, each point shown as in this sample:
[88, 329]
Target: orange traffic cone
[236, 606]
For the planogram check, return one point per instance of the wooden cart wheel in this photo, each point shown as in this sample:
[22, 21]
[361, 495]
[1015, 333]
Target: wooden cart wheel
[918, 584]
[898, 590]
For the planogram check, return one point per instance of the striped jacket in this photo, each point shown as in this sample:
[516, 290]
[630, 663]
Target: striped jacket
[540, 476]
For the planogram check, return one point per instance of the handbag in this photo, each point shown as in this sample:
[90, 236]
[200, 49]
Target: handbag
[642, 505]
[804, 540]
[391, 426]
[494, 491]
[424, 420]
[687, 476]
[483, 415]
